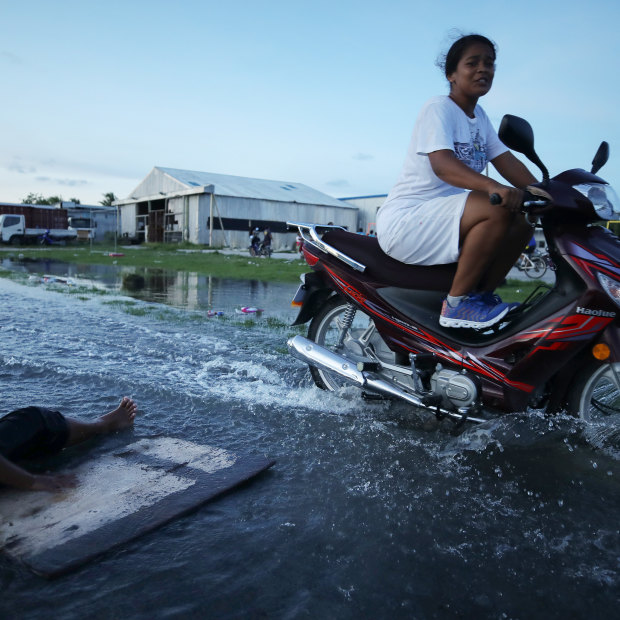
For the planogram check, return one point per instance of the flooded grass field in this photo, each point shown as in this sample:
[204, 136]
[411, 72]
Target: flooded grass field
[371, 511]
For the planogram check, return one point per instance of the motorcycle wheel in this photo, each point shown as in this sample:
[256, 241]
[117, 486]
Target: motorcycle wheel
[537, 269]
[595, 396]
[326, 329]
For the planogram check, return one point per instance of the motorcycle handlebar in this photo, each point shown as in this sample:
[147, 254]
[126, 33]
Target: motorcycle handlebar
[530, 201]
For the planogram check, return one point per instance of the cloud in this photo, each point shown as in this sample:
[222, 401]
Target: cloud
[68, 182]
[19, 168]
[338, 183]
[363, 156]
[10, 58]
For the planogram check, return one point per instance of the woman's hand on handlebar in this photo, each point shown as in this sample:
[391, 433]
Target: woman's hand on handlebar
[511, 197]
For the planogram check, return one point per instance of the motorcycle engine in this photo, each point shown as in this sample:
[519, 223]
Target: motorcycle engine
[455, 388]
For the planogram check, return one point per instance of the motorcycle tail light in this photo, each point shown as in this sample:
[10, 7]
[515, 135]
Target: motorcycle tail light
[610, 286]
[311, 259]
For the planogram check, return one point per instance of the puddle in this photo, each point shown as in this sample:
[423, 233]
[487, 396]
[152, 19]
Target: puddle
[180, 289]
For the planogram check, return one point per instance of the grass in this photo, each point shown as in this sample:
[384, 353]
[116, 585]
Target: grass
[517, 290]
[188, 257]
[176, 258]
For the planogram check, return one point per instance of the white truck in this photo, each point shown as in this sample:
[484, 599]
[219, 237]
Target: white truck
[34, 224]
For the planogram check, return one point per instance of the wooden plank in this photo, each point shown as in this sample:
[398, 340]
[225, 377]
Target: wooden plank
[121, 495]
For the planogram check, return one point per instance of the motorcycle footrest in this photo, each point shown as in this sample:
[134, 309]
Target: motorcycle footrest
[432, 400]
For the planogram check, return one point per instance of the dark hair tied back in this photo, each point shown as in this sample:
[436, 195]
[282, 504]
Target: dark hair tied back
[449, 63]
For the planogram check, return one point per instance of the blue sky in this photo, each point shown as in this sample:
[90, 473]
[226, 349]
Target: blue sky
[323, 93]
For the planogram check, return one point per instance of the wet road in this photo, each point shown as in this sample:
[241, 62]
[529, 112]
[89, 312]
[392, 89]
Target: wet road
[372, 510]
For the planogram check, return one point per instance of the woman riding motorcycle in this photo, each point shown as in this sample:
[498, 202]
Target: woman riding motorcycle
[439, 211]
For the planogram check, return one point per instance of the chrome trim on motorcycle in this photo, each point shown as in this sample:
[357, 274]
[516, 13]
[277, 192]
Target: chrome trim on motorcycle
[314, 239]
[316, 355]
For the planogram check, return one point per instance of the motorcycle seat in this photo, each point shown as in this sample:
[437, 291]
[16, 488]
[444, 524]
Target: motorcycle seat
[386, 270]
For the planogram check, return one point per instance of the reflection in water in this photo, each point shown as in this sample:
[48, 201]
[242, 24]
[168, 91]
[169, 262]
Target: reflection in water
[133, 282]
[181, 289]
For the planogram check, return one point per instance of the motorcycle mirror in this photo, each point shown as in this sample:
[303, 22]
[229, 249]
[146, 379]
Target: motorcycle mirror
[517, 134]
[601, 157]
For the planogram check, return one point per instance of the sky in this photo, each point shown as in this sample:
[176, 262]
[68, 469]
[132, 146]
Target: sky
[325, 93]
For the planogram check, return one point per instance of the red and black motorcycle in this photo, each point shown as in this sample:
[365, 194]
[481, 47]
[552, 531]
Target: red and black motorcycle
[375, 321]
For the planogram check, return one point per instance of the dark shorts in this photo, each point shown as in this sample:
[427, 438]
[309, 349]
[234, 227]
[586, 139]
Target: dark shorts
[32, 432]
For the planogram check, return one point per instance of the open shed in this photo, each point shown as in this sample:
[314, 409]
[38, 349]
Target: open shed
[172, 205]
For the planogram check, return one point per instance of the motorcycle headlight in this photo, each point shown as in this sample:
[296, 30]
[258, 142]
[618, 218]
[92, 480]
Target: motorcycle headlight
[603, 197]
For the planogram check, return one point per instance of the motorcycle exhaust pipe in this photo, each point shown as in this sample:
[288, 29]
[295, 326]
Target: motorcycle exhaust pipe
[316, 355]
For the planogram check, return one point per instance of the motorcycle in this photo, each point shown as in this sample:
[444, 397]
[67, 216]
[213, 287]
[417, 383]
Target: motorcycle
[374, 321]
[46, 239]
[260, 250]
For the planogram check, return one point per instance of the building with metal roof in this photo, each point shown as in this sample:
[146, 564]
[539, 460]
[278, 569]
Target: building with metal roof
[172, 205]
[368, 207]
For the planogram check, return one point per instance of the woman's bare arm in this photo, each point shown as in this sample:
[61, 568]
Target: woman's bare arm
[513, 170]
[451, 170]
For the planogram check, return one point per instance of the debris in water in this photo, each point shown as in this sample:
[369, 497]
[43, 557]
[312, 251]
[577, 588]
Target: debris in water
[250, 310]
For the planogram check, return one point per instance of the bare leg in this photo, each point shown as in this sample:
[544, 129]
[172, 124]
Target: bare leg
[120, 418]
[519, 233]
[492, 238]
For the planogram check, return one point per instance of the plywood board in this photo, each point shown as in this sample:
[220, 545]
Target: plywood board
[121, 495]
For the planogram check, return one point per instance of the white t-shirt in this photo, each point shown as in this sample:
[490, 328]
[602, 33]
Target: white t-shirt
[441, 125]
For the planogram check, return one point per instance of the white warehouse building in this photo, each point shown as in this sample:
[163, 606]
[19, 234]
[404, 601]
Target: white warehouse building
[172, 205]
[368, 207]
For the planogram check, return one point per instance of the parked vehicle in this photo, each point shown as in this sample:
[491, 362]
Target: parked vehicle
[374, 322]
[533, 265]
[264, 250]
[47, 239]
[26, 224]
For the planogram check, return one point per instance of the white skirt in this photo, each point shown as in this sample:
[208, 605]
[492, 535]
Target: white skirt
[424, 234]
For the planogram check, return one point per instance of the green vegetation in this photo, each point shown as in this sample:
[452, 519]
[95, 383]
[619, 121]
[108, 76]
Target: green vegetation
[188, 257]
[519, 290]
[184, 257]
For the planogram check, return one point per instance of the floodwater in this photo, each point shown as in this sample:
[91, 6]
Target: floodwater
[371, 511]
[181, 289]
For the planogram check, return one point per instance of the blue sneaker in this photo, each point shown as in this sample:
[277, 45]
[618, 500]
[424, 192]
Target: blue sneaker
[493, 299]
[472, 312]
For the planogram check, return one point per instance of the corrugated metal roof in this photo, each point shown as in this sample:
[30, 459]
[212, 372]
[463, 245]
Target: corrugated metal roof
[244, 187]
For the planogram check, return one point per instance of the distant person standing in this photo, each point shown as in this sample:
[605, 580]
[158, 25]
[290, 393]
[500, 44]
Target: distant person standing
[267, 238]
[265, 245]
[255, 242]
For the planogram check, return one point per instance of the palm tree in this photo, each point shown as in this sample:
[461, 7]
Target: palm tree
[108, 199]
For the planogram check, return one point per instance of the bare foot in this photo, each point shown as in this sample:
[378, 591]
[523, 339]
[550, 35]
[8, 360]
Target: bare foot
[122, 417]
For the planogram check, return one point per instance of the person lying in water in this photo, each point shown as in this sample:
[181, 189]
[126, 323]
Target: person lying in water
[35, 432]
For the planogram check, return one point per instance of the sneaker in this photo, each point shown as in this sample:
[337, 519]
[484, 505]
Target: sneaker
[493, 299]
[472, 312]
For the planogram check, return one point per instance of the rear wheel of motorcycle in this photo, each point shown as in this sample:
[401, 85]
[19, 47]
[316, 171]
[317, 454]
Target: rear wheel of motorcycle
[537, 268]
[595, 396]
[325, 329]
